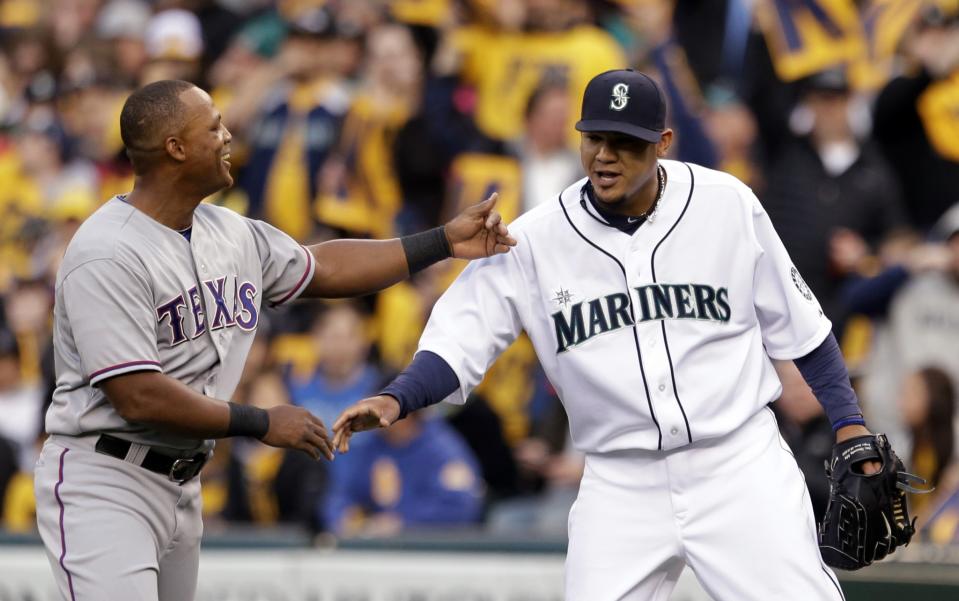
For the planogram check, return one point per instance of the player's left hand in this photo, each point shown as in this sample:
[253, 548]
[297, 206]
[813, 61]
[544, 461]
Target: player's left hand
[479, 232]
[867, 517]
[845, 433]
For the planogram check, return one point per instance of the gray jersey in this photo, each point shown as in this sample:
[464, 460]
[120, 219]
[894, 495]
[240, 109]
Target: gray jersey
[134, 295]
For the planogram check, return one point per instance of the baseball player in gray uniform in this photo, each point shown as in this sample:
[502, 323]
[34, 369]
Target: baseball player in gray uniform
[657, 295]
[157, 303]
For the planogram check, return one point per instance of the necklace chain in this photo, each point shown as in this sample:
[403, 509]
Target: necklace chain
[661, 178]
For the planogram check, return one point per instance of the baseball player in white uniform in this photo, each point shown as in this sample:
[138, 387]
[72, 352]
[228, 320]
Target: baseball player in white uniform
[157, 303]
[656, 294]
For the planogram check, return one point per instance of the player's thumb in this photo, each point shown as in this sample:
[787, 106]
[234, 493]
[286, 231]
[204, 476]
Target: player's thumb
[487, 205]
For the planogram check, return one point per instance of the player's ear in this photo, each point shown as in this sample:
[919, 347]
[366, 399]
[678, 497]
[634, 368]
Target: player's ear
[174, 147]
[662, 147]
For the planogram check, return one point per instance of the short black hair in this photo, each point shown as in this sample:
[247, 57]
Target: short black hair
[149, 115]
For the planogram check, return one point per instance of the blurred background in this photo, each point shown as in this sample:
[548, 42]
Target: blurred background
[376, 118]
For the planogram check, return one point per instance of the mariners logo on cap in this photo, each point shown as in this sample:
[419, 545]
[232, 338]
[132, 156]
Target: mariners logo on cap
[620, 97]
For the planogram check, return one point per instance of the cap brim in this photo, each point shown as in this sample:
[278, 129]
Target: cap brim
[647, 135]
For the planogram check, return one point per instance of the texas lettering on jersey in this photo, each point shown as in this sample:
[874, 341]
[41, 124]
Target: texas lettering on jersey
[579, 322]
[243, 312]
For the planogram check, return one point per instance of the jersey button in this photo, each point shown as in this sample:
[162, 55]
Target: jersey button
[674, 431]
[662, 387]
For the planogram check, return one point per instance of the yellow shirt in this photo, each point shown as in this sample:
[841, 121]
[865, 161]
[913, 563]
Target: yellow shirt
[506, 67]
[372, 196]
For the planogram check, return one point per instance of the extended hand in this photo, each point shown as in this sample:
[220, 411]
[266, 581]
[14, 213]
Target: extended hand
[296, 428]
[479, 232]
[374, 412]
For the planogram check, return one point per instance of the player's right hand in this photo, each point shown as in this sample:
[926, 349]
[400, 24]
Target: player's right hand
[375, 412]
[296, 428]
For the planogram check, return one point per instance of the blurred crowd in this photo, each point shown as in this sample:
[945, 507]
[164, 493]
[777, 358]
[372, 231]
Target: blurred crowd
[377, 118]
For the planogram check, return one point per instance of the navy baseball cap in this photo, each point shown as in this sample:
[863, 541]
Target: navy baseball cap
[624, 101]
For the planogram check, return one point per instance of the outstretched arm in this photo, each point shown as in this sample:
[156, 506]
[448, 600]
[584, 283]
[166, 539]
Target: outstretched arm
[426, 381]
[355, 267]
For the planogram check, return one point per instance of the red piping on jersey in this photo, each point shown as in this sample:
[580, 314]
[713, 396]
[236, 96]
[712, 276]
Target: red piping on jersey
[63, 537]
[291, 293]
[100, 372]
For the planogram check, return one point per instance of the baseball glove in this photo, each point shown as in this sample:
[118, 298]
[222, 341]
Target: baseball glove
[866, 517]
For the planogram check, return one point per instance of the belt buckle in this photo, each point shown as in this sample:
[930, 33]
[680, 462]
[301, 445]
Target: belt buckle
[184, 470]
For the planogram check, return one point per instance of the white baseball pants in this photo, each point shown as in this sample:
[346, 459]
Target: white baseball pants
[734, 509]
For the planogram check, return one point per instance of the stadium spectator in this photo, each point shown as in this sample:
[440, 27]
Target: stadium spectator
[922, 327]
[343, 372]
[288, 113]
[20, 404]
[249, 483]
[359, 190]
[916, 116]
[928, 405]
[174, 45]
[122, 24]
[267, 486]
[549, 472]
[514, 46]
[20, 413]
[545, 159]
[416, 474]
[829, 176]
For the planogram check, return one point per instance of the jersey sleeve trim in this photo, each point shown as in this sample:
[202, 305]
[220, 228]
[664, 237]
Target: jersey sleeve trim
[123, 368]
[809, 346]
[304, 280]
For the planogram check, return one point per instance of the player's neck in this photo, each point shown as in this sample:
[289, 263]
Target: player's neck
[642, 202]
[164, 201]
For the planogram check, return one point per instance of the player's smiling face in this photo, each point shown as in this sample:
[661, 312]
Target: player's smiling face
[622, 169]
[207, 141]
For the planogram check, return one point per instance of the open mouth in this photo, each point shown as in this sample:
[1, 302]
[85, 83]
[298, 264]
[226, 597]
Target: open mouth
[226, 159]
[606, 178]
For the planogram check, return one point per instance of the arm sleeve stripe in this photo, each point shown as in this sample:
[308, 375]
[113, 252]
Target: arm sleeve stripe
[302, 283]
[124, 367]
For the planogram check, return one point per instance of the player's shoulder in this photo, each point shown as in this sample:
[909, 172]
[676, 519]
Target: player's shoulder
[702, 176]
[711, 185]
[103, 235]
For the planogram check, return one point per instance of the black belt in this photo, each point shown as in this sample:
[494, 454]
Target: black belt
[178, 470]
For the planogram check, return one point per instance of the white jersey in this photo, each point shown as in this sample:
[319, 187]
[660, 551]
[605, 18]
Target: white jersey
[652, 340]
[134, 295]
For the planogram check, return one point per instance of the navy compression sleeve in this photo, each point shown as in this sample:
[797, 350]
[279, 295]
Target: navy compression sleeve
[825, 372]
[426, 381]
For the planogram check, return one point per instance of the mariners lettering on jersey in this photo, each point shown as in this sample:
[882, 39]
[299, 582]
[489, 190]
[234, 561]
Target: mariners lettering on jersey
[579, 322]
[242, 312]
